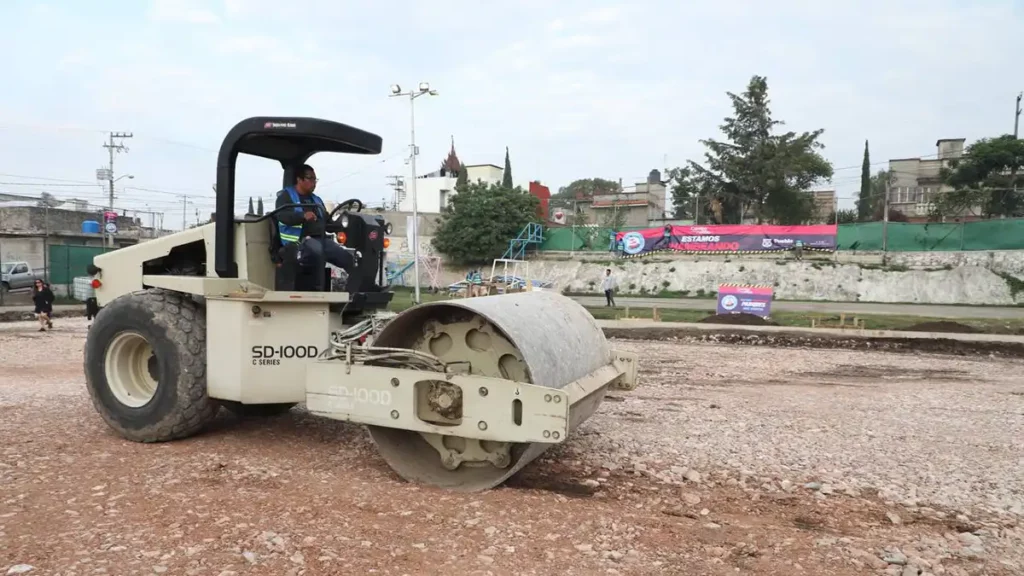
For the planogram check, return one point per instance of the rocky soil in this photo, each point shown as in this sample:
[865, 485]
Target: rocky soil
[726, 460]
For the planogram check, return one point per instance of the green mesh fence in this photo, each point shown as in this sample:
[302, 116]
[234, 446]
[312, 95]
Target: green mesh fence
[901, 237]
[67, 262]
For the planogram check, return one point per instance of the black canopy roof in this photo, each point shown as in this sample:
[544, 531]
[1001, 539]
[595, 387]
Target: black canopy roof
[288, 140]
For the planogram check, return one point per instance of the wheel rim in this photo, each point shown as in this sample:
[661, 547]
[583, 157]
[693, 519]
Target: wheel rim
[131, 369]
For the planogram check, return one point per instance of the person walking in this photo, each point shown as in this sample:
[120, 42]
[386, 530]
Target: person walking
[42, 296]
[609, 284]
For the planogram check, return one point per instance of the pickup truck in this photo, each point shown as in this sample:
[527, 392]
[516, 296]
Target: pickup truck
[17, 276]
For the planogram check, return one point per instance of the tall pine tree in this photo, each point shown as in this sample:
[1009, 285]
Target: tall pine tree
[506, 177]
[462, 182]
[864, 200]
[755, 171]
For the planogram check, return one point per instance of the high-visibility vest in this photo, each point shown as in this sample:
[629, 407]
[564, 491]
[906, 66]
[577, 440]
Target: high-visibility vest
[294, 233]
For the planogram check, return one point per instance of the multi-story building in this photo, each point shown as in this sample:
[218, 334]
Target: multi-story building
[640, 206]
[435, 189]
[824, 204]
[914, 183]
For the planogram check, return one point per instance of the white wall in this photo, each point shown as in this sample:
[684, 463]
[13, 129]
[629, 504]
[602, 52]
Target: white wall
[429, 190]
[428, 193]
[489, 174]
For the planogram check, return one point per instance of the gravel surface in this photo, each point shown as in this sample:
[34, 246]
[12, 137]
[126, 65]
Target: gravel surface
[726, 460]
[919, 428]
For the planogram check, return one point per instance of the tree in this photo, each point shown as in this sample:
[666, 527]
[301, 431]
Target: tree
[462, 180]
[479, 222]
[879, 183]
[586, 188]
[690, 196]
[755, 170]
[613, 218]
[506, 176]
[584, 230]
[864, 202]
[987, 178]
[845, 217]
[47, 200]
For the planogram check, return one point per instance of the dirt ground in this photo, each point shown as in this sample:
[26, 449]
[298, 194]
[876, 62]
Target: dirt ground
[727, 459]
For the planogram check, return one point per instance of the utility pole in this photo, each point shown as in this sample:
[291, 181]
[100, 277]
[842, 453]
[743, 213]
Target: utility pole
[184, 210]
[397, 184]
[572, 245]
[112, 148]
[422, 89]
[1016, 117]
[885, 218]
[1016, 123]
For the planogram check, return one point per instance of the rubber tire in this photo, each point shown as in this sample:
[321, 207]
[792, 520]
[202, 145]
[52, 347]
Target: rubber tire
[257, 410]
[175, 327]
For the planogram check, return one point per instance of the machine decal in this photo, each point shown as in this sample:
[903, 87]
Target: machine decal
[345, 399]
[272, 355]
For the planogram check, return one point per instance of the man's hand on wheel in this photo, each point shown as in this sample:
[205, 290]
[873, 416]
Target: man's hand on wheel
[309, 216]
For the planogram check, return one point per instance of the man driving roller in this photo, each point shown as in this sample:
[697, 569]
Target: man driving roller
[308, 226]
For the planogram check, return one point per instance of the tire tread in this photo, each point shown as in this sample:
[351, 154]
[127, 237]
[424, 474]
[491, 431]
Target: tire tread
[184, 322]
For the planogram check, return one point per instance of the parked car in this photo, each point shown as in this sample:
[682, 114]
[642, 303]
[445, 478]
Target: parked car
[17, 276]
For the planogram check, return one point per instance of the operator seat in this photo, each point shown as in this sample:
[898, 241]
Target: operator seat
[289, 275]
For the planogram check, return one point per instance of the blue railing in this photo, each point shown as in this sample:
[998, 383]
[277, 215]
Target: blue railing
[531, 234]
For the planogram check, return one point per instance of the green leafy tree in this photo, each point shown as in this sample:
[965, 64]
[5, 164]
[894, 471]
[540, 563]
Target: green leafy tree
[613, 218]
[845, 216]
[989, 178]
[462, 181]
[479, 221]
[506, 176]
[864, 201]
[690, 195]
[878, 191]
[586, 188]
[584, 230]
[755, 170]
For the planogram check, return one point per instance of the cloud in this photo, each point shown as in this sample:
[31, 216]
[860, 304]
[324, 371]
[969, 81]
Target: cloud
[575, 88]
[556, 25]
[603, 14]
[247, 44]
[579, 41]
[185, 11]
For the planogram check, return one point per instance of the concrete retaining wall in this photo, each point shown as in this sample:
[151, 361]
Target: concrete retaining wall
[985, 278]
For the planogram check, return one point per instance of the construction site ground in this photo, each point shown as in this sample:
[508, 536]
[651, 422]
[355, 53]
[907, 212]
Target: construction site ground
[728, 459]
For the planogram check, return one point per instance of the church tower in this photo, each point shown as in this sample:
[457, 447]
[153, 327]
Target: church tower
[451, 164]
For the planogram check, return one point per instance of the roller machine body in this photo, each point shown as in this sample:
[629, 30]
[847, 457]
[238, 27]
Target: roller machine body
[460, 394]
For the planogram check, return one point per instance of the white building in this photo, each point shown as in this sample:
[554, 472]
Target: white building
[434, 190]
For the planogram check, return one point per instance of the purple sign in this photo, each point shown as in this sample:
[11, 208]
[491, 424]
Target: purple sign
[741, 299]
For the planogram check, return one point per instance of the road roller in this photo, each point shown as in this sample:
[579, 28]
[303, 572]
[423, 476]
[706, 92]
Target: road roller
[458, 394]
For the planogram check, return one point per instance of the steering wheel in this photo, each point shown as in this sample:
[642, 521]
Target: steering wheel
[334, 217]
[348, 202]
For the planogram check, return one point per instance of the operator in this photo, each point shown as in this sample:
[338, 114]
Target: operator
[308, 226]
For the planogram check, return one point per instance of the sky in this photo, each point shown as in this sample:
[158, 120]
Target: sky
[574, 88]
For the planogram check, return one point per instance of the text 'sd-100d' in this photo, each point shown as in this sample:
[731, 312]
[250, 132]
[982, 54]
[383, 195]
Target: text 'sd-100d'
[272, 355]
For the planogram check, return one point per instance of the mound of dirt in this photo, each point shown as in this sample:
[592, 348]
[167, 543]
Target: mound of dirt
[944, 326]
[742, 319]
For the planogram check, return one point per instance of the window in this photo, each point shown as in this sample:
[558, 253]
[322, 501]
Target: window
[443, 201]
[21, 269]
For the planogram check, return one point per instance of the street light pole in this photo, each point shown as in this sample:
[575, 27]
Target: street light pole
[396, 90]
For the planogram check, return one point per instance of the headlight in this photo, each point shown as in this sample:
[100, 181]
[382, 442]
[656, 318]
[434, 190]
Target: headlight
[344, 221]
